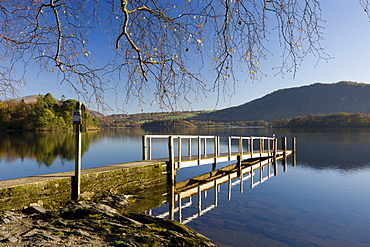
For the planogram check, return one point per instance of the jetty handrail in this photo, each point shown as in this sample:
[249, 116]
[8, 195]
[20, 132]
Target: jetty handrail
[271, 143]
[147, 144]
[263, 140]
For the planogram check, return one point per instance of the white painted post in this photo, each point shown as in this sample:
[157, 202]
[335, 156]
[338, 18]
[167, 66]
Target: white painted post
[218, 146]
[250, 144]
[150, 148]
[199, 150]
[171, 176]
[179, 151]
[215, 148]
[189, 146]
[205, 146]
[229, 147]
[144, 147]
[240, 145]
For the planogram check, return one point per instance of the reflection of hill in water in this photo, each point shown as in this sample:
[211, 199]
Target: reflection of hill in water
[333, 149]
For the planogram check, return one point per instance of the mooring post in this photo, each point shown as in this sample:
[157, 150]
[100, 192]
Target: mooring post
[275, 148]
[284, 146]
[171, 176]
[274, 158]
[239, 165]
[269, 146]
[144, 147]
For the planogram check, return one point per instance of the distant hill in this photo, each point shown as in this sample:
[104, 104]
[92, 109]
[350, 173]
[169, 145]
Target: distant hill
[29, 99]
[96, 113]
[315, 99]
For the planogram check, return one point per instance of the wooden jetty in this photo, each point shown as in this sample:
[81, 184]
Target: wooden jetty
[195, 151]
[249, 153]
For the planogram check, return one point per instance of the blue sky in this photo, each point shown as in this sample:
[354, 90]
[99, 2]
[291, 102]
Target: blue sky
[346, 33]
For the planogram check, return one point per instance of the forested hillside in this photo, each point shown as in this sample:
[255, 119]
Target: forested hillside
[315, 99]
[336, 120]
[44, 113]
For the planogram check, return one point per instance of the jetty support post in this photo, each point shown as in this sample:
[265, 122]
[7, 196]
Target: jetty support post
[215, 147]
[171, 176]
[240, 172]
[284, 147]
[214, 165]
[250, 146]
[274, 158]
[239, 165]
[294, 148]
[172, 201]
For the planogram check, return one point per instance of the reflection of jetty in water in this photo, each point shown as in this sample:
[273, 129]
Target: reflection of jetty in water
[181, 194]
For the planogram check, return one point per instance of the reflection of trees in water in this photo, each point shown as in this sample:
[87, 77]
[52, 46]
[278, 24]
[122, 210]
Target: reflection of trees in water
[345, 149]
[44, 147]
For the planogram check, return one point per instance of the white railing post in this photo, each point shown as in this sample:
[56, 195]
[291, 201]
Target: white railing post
[215, 149]
[240, 145]
[199, 150]
[179, 151]
[250, 144]
[218, 146]
[171, 163]
[150, 148]
[229, 147]
[144, 148]
[205, 146]
[189, 146]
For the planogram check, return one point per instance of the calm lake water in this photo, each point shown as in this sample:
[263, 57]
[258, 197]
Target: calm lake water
[323, 201]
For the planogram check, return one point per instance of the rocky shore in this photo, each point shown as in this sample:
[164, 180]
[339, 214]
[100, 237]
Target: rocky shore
[93, 224]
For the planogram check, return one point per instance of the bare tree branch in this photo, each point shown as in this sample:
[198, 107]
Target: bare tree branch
[157, 48]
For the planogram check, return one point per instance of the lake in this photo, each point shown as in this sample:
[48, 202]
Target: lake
[322, 201]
